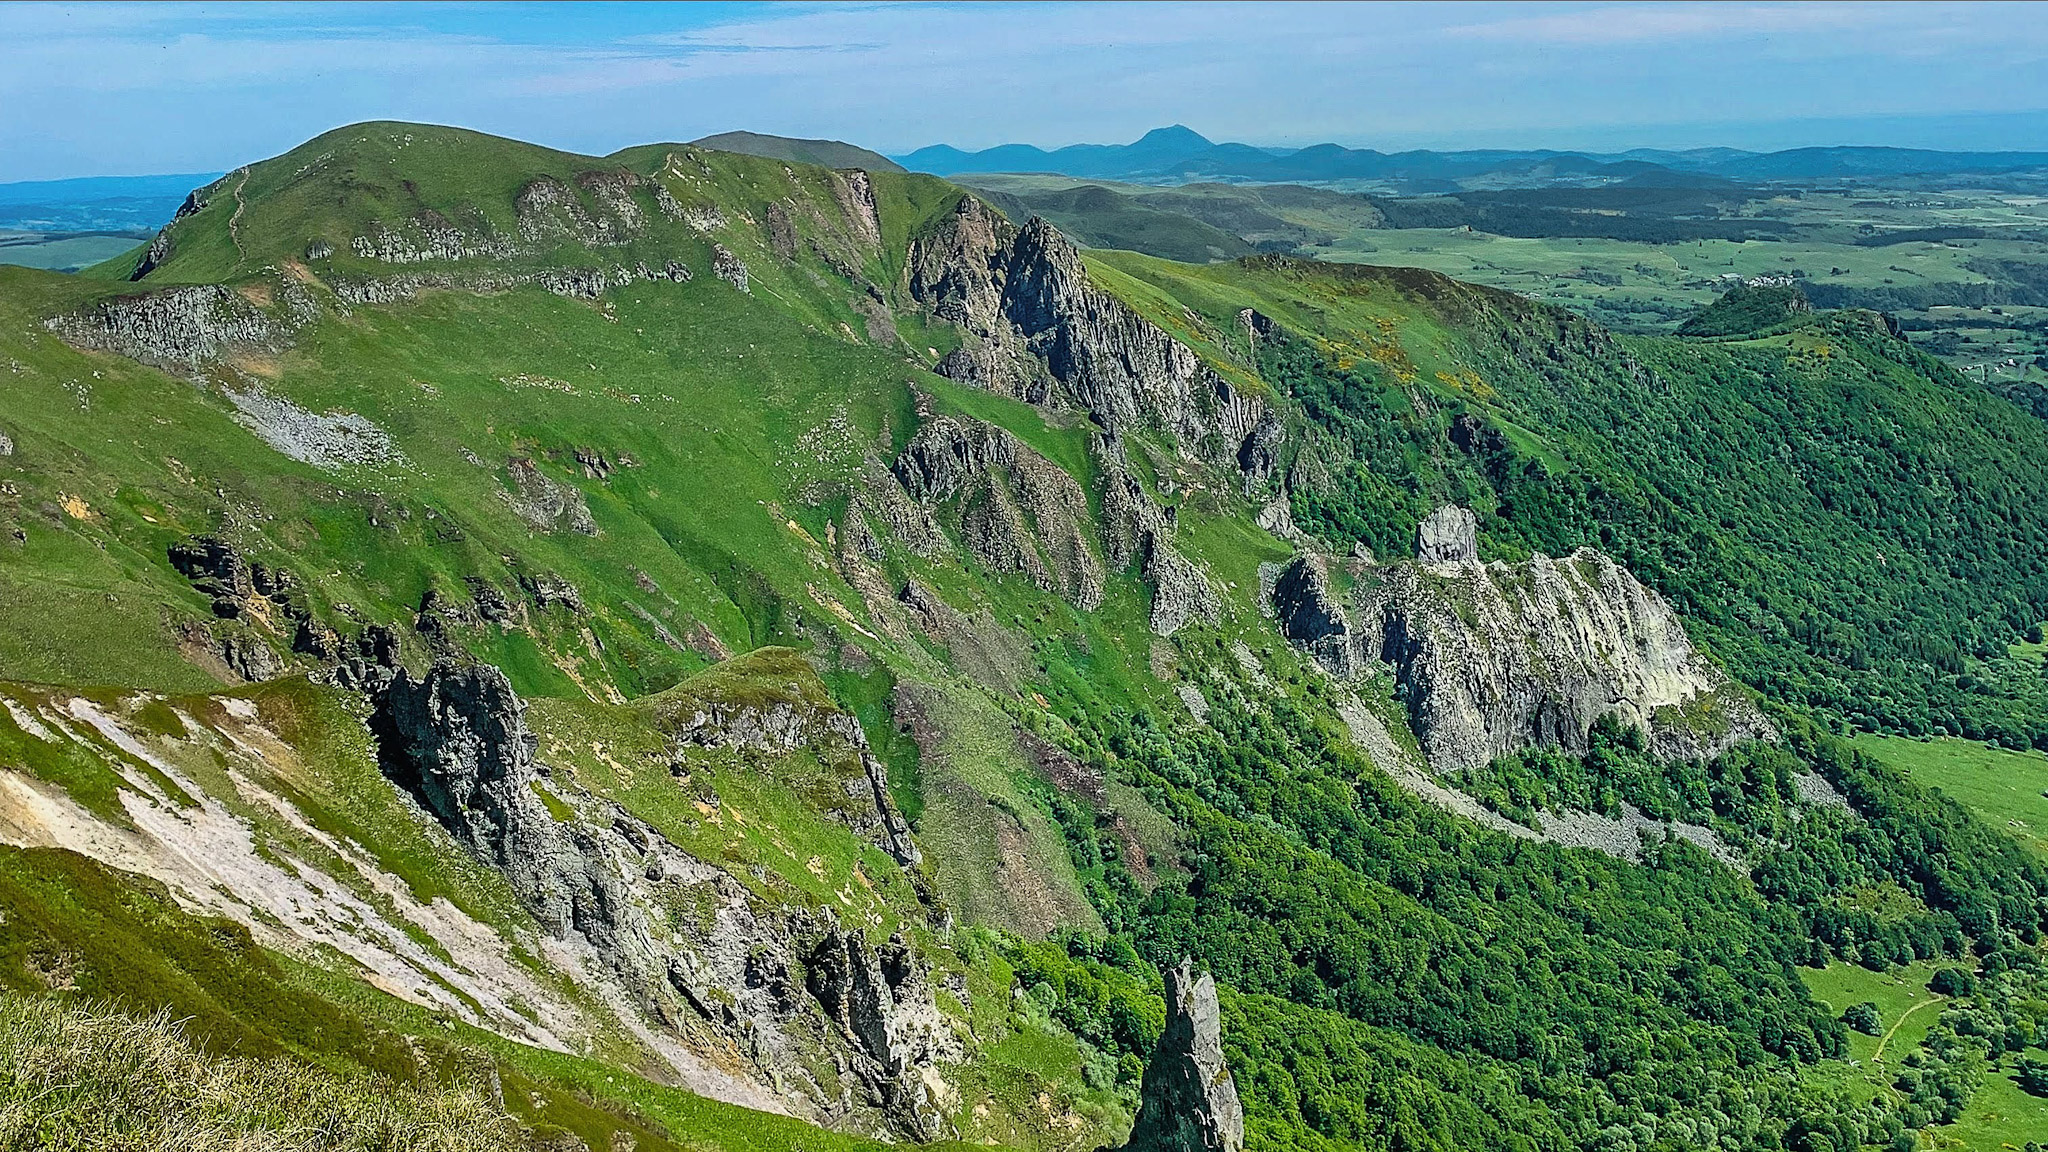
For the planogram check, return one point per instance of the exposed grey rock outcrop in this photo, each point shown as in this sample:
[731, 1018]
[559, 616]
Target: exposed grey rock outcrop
[579, 283]
[854, 191]
[546, 503]
[1181, 592]
[1258, 457]
[693, 949]
[780, 726]
[549, 590]
[177, 327]
[1137, 530]
[244, 593]
[153, 257]
[730, 268]
[883, 503]
[1038, 329]
[160, 247]
[1449, 535]
[1188, 1101]
[431, 236]
[6, 444]
[1019, 512]
[456, 738]
[1311, 616]
[1498, 657]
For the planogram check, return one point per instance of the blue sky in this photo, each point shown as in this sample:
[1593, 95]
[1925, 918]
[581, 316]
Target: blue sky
[89, 89]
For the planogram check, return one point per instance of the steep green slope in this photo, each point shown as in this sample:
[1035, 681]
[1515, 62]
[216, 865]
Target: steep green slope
[1848, 522]
[881, 597]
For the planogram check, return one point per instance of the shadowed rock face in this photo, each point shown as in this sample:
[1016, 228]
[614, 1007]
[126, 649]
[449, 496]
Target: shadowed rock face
[1018, 512]
[1037, 329]
[457, 740]
[1310, 615]
[1188, 1102]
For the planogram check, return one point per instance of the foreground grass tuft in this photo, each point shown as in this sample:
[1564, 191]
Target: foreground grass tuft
[79, 1077]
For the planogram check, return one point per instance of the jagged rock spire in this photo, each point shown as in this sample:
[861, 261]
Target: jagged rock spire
[1188, 1101]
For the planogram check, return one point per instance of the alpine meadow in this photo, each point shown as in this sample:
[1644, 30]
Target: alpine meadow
[749, 645]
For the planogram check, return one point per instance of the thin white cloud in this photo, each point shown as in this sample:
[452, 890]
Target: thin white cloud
[1641, 23]
[184, 87]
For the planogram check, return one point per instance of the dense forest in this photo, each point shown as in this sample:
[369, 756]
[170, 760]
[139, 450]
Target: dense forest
[1781, 492]
[1566, 999]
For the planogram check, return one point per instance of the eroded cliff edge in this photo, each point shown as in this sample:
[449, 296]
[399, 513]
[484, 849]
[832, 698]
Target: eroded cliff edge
[1490, 658]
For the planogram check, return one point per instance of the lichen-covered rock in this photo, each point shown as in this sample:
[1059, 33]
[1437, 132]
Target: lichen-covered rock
[544, 502]
[1498, 657]
[6, 444]
[1449, 535]
[249, 657]
[1188, 1101]
[153, 257]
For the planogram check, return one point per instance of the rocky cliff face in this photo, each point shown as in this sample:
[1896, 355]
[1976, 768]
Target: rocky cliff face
[1136, 529]
[1018, 512]
[834, 1026]
[1448, 535]
[1188, 1102]
[1492, 658]
[180, 327]
[1037, 329]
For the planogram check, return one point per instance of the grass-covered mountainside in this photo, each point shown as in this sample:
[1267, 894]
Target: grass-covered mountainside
[824, 153]
[690, 649]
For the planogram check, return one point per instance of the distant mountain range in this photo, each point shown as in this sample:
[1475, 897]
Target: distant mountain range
[1172, 156]
[1179, 153]
[96, 203]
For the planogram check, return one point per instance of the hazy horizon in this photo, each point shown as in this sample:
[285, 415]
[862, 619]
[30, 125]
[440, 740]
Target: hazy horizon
[144, 89]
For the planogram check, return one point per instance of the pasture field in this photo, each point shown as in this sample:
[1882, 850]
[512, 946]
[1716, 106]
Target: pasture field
[61, 251]
[2004, 788]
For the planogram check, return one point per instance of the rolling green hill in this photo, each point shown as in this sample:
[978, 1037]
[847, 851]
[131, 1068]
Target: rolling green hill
[822, 153]
[688, 636]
